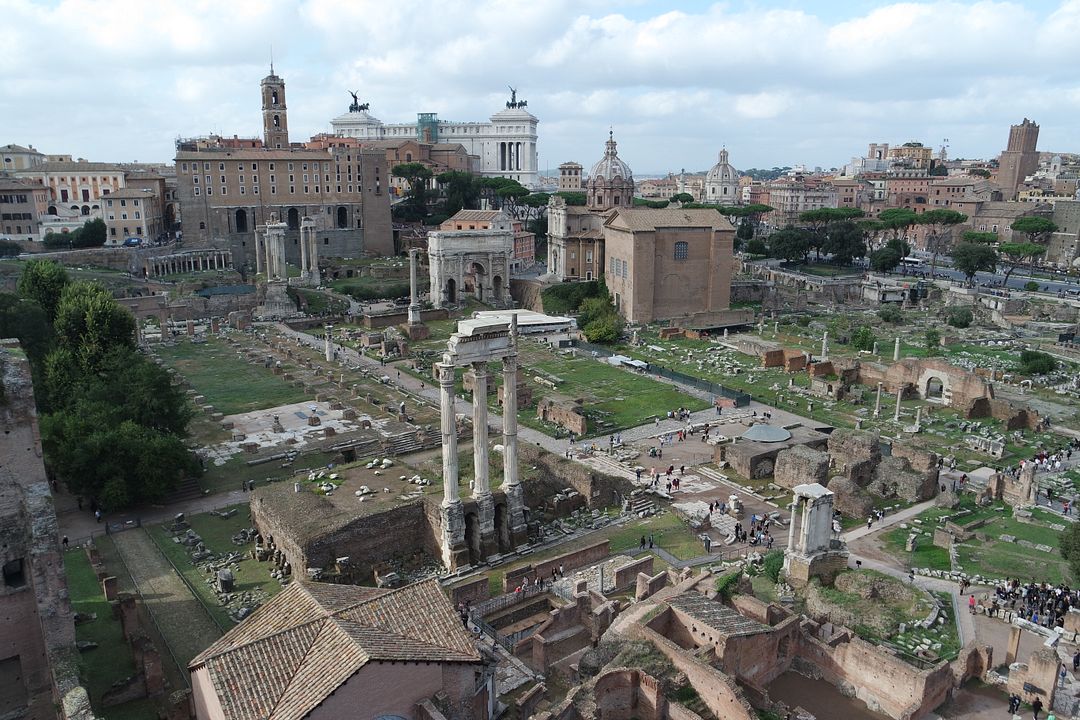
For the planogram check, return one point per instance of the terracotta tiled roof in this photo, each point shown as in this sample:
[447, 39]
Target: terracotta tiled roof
[652, 218]
[304, 643]
[474, 216]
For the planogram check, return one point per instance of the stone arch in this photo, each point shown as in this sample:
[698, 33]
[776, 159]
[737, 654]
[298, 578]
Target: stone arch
[241, 220]
[934, 388]
[451, 290]
[52, 210]
[293, 219]
[85, 209]
[497, 288]
[342, 217]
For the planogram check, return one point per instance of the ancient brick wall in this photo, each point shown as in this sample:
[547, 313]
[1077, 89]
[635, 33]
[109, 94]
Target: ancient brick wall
[884, 682]
[800, 465]
[854, 454]
[1014, 417]
[568, 561]
[599, 490]
[648, 586]
[563, 413]
[470, 591]
[626, 693]
[627, 574]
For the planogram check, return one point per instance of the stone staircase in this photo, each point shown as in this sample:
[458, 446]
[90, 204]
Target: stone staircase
[641, 504]
[712, 474]
[187, 489]
[607, 465]
[403, 444]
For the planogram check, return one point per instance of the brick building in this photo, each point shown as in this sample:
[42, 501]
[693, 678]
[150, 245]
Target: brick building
[226, 192]
[331, 651]
[78, 185]
[792, 197]
[22, 205]
[132, 213]
[524, 253]
[1019, 159]
[669, 264]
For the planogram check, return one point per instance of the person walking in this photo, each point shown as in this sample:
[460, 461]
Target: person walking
[1036, 708]
[64, 542]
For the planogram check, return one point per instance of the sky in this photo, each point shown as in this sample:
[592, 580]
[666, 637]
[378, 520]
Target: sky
[775, 82]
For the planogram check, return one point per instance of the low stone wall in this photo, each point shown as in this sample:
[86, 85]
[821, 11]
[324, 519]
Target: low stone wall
[648, 586]
[567, 561]
[470, 591]
[627, 574]
[375, 322]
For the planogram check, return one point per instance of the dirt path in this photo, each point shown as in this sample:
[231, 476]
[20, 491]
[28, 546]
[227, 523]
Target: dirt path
[180, 616]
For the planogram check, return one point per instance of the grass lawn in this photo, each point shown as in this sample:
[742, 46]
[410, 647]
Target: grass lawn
[112, 660]
[217, 533]
[230, 384]
[231, 475]
[614, 399]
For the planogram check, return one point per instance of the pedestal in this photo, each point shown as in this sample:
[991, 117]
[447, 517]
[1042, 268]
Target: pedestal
[515, 511]
[454, 552]
[485, 521]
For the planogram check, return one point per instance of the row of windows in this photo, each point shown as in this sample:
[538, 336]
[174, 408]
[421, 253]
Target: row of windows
[13, 198]
[619, 267]
[124, 216]
[17, 216]
[254, 166]
[123, 203]
[138, 231]
[73, 179]
[18, 229]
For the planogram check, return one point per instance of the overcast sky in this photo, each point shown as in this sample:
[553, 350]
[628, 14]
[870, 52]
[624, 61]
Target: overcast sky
[776, 82]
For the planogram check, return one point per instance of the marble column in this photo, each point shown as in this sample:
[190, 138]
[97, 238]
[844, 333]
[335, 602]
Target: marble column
[791, 527]
[313, 257]
[445, 373]
[329, 344]
[899, 397]
[877, 402]
[896, 350]
[303, 252]
[825, 345]
[258, 254]
[481, 484]
[414, 300]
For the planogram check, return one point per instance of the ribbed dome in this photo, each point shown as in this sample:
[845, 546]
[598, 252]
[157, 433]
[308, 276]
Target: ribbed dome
[610, 166]
[722, 170]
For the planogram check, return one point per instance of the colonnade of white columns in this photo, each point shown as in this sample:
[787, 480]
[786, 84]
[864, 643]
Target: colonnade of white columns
[196, 261]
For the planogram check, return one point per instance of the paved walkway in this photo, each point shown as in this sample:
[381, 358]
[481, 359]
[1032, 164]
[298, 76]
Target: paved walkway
[181, 618]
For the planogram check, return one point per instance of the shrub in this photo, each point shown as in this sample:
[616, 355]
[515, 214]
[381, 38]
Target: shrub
[604, 330]
[757, 247]
[891, 314]
[959, 317]
[802, 321]
[863, 339]
[728, 584]
[773, 564]
[9, 248]
[1031, 286]
[566, 298]
[1033, 362]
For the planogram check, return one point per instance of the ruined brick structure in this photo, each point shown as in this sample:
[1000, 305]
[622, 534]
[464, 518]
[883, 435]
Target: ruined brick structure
[38, 660]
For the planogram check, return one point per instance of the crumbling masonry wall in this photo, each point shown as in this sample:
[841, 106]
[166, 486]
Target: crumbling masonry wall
[801, 465]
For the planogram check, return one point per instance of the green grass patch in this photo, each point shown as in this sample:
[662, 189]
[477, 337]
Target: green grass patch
[231, 384]
[112, 660]
[216, 533]
[235, 471]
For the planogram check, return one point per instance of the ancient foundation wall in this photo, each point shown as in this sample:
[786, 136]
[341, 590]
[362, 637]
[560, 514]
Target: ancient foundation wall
[470, 591]
[884, 682]
[599, 490]
[375, 322]
[626, 576]
[719, 692]
[567, 561]
[627, 693]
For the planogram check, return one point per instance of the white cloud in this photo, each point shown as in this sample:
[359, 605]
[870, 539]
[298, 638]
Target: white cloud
[116, 79]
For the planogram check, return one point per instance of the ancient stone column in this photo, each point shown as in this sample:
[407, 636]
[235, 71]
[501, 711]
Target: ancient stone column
[449, 433]
[896, 351]
[791, 527]
[825, 345]
[414, 301]
[313, 257]
[899, 397]
[877, 402]
[328, 344]
[480, 429]
[918, 415]
[304, 273]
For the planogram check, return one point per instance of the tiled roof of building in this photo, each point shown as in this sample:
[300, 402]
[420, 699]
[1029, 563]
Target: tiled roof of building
[475, 216]
[714, 614]
[651, 218]
[307, 641]
[9, 183]
[13, 148]
[72, 166]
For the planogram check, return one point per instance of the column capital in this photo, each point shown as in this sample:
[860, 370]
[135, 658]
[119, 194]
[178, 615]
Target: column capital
[444, 373]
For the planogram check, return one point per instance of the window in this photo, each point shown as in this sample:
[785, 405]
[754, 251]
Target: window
[222, 179]
[221, 166]
[254, 167]
[110, 203]
[112, 231]
[184, 167]
[209, 179]
[196, 180]
[682, 250]
[138, 215]
[14, 575]
[123, 216]
[196, 192]
[271, 167]
[241, 178]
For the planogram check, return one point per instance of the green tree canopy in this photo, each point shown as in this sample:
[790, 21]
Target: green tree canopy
[863, 338]
[885, 260]
[845, 241]
[970, 258]
[89, 323]
[939, 224]
[461, 189]
[42, 281]
[24, 319]
[1038, 229]
[979, 172]
[792, 244]
[898, 220]
[417, 176]
[573, 197]
[933, 342]
[986, 238]
[682, 198]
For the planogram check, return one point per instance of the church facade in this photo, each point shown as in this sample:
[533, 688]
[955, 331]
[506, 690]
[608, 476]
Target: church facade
[505, 145]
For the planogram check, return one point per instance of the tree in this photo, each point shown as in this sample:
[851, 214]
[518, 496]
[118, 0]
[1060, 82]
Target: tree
[891, 314]
[605, 330]
[573, 197]
[898, 220]
[24, 319]
[461, 190]
[819, 223]
[845, 241]
[594, 308]
[1014, 255]
[933, 342]
[745, 230]
[792, 244]
[885, 260]
[959, 317]
[10, 248]
[970, 258]
[757, 247]
[42, 281]
[939, 224]
[985, 238]
[89, 324]
[417, 176]
[1038, 229]
[93, 233]
[939, 170]
[979, 172]
[682, 198]
[863, 339]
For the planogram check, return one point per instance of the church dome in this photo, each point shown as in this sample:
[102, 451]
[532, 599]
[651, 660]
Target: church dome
[722, 171]
[610, 166]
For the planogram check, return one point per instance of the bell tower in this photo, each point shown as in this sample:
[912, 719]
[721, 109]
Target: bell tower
[275, 116]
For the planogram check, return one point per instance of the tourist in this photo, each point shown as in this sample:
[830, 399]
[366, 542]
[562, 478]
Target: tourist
[971, 603]
[1076, 661]
[1036, 708]
[641, 545]
[64, 542]
[97, 515]
[650, 541]
[869, 522]
[561, 573]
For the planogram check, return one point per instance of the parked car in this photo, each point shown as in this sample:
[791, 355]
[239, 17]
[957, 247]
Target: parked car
[133, 242]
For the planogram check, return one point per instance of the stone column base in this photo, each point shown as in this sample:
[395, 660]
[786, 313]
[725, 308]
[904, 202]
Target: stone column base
[416, 332]
[485, 522]
[515, 507]
[454, 552]
[824, 566]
